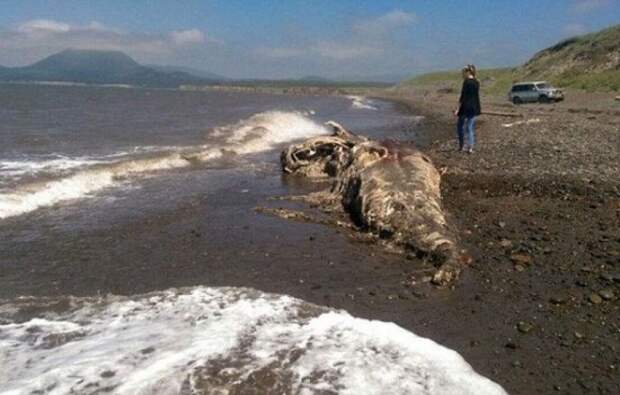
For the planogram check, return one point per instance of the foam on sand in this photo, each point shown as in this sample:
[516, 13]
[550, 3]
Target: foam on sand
[217, 340]
[258, 133]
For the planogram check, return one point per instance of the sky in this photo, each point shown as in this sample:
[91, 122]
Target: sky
[339, 39]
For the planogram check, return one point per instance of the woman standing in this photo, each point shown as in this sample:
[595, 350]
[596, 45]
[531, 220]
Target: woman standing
[469, 108]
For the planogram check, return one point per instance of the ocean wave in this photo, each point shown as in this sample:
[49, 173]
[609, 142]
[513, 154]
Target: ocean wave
[361, 103]
[258, 133]
[59, 163]
[217, 340]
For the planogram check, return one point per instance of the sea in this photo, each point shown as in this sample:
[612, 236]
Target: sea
[80, 166]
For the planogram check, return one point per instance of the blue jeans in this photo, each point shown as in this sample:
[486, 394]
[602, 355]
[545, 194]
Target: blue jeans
[465, 125]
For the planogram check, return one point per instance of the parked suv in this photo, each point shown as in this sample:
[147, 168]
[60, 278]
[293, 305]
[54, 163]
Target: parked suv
[536, 91]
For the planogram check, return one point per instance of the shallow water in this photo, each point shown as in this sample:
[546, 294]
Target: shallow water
[97, 189]
[62, 144]
[216, 340]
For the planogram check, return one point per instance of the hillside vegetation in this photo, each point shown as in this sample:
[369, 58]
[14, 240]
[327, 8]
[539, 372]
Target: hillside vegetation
[492, 81]
[590, 62]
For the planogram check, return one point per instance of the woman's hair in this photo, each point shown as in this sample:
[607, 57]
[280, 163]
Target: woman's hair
[470, 69]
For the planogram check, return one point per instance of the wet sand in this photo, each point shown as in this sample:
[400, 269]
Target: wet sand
[532, 328]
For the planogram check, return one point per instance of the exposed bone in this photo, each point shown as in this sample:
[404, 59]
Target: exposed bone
[389, 188]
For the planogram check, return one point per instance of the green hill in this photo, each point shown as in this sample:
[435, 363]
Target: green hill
[492, 81]
[590, 62]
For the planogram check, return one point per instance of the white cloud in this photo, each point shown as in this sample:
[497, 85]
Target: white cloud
[583, 6]
[185, 37]
[43, 26]
[365, 39]
[385, 23]
[34, 39]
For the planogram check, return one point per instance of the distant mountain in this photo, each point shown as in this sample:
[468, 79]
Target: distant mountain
[382, 78]
[207, 75]
[314, 78]
[97, 67]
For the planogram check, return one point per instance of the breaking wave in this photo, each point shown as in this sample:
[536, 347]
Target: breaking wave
[217, 340]
[258, 133]
[361, 103]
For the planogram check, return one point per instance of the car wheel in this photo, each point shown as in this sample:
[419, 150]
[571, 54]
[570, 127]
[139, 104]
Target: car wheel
[544, 99]
[517, 100]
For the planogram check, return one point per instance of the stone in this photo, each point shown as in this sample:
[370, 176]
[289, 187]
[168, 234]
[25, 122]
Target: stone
[607, 294]
[595, 298]
[521, 259]
[524, 327]
[581, 283]
[610, 277]
[505, 243]
[558, 299]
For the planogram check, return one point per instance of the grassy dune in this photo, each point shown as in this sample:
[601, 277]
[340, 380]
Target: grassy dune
[492, 81]
[590, 62]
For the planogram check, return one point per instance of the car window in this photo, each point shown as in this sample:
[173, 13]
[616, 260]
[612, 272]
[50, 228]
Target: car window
[543, 86]
[529, 87]
[517, 88]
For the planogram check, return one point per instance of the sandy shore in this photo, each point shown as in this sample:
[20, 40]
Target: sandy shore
[538, 206]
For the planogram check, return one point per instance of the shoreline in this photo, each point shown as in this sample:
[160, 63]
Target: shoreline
[543, 228]
[531, 330]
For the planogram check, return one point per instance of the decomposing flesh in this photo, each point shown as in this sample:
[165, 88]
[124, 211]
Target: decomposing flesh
[388, 188]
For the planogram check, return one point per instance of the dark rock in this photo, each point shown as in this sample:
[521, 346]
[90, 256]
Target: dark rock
[611, 277]
[558, 299]
[107, 374]
[607, 294]
[595, 298]
[524, 327]
[521, 259]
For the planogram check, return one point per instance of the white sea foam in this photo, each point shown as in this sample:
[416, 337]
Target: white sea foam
[59, 163]
[218, 340]
[258, 133]
[13, 168]
[361, 103]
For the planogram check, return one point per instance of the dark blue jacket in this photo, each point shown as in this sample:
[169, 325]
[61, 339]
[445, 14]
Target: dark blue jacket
[470, 98]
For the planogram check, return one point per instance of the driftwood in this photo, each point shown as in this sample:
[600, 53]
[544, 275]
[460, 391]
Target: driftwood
[503, 114]
[389, 188]
[528, 122]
